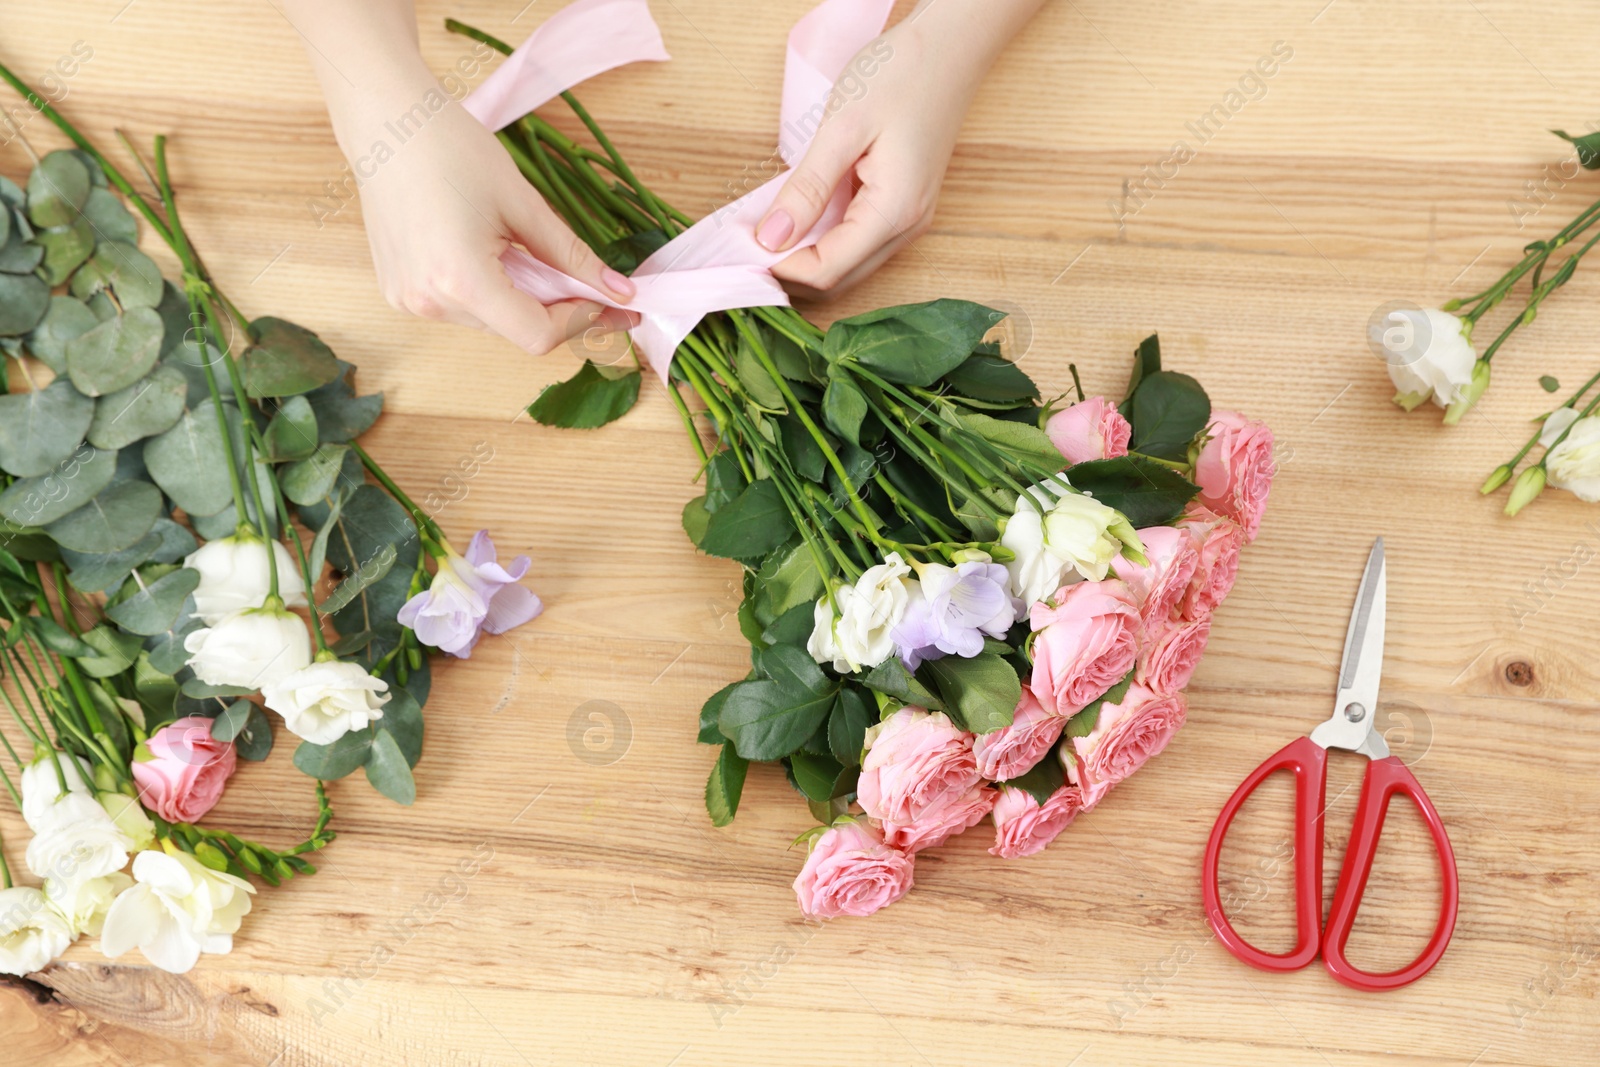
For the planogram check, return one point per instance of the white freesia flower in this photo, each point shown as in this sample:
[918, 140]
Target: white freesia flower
[32, 933]
[234, 575]
[40, 786]
[178, 909]
[1427, 356]
[76, 840]
[1076, 533]
[1574, 464]
[84, 903]
[252, 648]
[868, 611]
[327, 700]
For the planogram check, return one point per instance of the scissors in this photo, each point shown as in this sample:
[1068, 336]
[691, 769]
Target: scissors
[1351, 726]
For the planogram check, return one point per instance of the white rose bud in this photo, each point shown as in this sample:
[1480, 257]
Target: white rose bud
[1427, 355]
[327, 700]
[234, 576]
[252, 648]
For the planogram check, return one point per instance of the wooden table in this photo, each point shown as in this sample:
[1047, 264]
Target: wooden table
[602, 920]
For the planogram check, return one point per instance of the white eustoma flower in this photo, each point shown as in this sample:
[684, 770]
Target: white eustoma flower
[40, 785]
[326, 700]
[1427, 356]
[251, 648]
[77, 840]
[1076, 533]
[177, 909]
[234, 575]
[32, 932]
[861, 635]
[1574, 464]
[84, 903]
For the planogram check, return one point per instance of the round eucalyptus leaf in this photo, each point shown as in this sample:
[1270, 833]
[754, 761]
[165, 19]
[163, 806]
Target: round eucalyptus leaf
[102, 307]
[149, 406]
[155, 607]
[309, 481]
[116, 353]
[176, 542]
[66, 318]
[285, 360]
[99, 573]
[65, 250]
[41, 428]
[5, 227]
[19, 255]
[111, 221]
[43, 499]
[11, 194]
[292, 433]
[118, 517]
[97, 177]
[24, 298]
[187, 463]
[58, 189]
[131, 274]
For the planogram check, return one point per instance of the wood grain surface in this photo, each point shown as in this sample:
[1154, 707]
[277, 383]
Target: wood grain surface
[557, 896]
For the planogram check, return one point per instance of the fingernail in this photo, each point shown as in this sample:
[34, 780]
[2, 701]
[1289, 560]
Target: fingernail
[618, 283]
[775, 230]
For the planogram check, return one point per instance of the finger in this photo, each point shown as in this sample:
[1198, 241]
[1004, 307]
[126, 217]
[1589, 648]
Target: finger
[538, 229]
[801, 200]
[488, 294]
[863, 234]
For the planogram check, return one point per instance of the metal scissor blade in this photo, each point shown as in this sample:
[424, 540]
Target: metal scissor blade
[1356, 704]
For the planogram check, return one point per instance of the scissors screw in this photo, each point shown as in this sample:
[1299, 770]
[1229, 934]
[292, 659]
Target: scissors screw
[1354, 711]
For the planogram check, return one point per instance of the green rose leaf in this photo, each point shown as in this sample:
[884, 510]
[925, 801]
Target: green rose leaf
[794, 669]
[65, 319]
[766, 720]
[186, 462]
[130, 274]
[847, 726]
[844, 407]
[725, 786]
[1588, 147]
[1083, 723]
[154, 608]
[785, 580]
[892, 678]
[1022, 441]
[388, 771]
[991, 378]
[285, 360]
[149, 406]
[341, 415]
[695, 519]
[753, 375]
[914, 344]
[65, 250]
[711, 715]
[24, 299]
[1148, 493]
[57, 190]
[1146, 361]
[116, 353]
[817, 776]
[292, 432]
[40, 429]
[309, 481]
[1168, 411]
[113, 520]
[586, 400]
[43, 499]
[980, 694]
[751, 525]
[1043, 779]
[804, 453]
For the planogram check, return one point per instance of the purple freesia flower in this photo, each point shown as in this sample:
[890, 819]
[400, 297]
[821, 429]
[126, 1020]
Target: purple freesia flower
[471, 594]
[952, 609]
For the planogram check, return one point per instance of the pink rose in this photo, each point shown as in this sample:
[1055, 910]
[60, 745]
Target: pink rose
[1023, 826]
[850, 871]
[1012, 750]
[1170, 655]
[939, 824]
[1219, 541]
[185, 779]
[1089, 429]
[1234, 469]
[1123, 738]
[1160, 587]
[1083, 644]
[916, 763]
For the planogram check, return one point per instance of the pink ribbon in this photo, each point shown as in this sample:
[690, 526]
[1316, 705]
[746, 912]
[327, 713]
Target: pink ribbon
[717, 264]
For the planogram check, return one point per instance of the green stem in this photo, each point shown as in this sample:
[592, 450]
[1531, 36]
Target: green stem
[420, 517]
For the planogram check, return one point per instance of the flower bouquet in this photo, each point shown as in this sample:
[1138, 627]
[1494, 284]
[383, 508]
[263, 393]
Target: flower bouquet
[1430, 357]
[960, 600]
[158, 469]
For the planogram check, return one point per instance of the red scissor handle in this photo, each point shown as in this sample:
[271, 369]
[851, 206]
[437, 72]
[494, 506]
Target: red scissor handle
[1385, 778]
[1309, 763]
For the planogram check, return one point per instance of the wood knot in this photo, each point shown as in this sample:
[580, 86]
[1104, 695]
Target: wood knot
[1519, 673]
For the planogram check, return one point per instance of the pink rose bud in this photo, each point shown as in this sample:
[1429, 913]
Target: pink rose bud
[1234, 469]
[1023, 826]
[1083, 644]
[1160, 587]
[1012, 751]
[1219, 541]
[940, 823]
[1170, 654]
[1123, 738]
[850, 871]
[185, 779]
[1089, 429]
